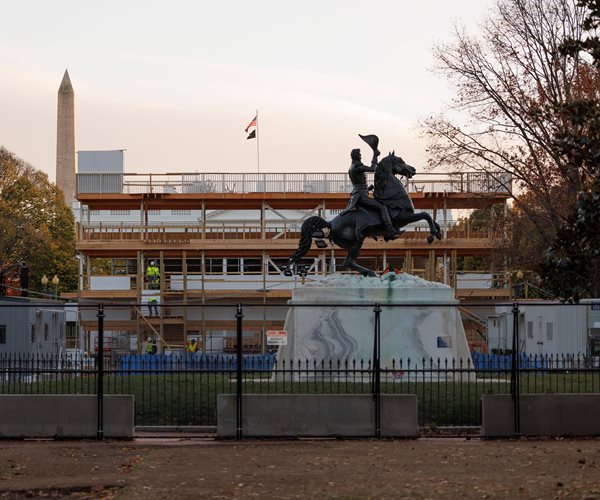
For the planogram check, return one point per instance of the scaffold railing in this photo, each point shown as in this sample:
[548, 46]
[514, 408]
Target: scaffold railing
[311, 182]
[194, 230]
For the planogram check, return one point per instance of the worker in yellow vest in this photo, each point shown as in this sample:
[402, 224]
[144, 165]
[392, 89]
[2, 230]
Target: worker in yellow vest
[153, 276]
[153, 306]
[192, 346]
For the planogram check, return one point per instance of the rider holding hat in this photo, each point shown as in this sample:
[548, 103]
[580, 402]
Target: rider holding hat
[360, 191]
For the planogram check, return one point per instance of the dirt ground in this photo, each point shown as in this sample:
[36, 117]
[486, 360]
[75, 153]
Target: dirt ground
[205, 468]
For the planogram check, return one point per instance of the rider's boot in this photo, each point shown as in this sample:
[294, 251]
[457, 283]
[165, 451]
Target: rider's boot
[392, 232]
[392, 236]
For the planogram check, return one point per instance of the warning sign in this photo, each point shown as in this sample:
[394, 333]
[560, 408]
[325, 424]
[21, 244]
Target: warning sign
[276, 337]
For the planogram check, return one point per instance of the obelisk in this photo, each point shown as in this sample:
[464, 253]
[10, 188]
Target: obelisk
[65, 139]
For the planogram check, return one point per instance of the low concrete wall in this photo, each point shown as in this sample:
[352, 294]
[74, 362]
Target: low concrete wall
[317, 415]
[64, 416]
[542, 415]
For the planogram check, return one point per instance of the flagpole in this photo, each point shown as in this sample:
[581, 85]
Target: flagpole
[257, 149]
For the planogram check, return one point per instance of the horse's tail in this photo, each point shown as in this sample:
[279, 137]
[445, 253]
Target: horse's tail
[309, 227]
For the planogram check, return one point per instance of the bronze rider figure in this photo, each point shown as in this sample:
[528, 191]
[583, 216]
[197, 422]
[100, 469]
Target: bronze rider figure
[360, 191]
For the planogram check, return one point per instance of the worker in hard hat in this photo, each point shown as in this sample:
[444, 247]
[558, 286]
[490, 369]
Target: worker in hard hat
[153, 276]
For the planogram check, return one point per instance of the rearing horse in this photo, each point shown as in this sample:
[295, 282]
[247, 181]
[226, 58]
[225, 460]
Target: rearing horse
[350, 230]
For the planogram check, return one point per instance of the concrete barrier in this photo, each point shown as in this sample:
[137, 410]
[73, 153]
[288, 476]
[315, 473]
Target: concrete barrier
[64, 416]
[542, 415]
[317, 415]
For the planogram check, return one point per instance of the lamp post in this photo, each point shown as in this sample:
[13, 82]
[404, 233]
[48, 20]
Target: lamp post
[44, 282]
[55, 282]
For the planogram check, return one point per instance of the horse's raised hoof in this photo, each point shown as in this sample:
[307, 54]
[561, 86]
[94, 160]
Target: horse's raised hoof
[430, 239]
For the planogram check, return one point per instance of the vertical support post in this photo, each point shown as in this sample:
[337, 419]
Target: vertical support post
[445, 267]
[100, 374]
[332, 268]
[203, 209]
[185, 296]
[263, 221]
[376, 369]
[514, 380]
[142, 221]
[263, 331]
[239, 315]
[203, 305]
[453, 270]
[431, 265]
[139, 288]
[80, 262]
[161, 305]
[445, 215]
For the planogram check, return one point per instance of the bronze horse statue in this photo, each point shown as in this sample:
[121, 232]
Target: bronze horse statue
[349, 231]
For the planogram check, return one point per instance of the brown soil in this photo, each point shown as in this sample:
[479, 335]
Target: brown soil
[192, 468]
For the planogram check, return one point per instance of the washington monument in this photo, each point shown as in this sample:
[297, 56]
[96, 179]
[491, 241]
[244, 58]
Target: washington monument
[65, 139]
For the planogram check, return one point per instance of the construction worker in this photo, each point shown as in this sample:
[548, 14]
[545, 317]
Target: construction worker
[149, 346]
[193, 346]
[152, 306]
[153, 275]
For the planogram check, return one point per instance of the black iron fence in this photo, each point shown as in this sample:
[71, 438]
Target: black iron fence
[181, 388]
[182, 391]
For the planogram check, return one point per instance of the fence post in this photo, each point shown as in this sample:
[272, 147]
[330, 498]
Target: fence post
[514, 381]
[100, 373]
[239, 315]
[376, 370]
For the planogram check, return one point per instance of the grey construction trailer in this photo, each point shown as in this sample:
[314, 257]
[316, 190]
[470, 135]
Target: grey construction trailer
[32, 326]
[547, 328]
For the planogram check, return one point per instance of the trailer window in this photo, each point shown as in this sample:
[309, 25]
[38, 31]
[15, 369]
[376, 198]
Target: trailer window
[2, 334]
[530, 329]
[549, 331]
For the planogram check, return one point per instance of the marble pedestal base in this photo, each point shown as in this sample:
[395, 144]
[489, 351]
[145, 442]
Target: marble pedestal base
[336, 322]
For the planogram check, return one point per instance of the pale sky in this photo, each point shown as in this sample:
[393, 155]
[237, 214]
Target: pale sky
[175, 83]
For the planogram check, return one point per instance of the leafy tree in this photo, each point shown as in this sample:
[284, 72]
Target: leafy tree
[36, 226]
[572, 264]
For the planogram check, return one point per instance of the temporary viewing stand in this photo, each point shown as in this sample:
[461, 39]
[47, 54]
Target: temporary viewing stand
[192, 254]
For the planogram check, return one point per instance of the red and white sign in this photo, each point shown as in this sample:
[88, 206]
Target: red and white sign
[276, 337]
[108, 344]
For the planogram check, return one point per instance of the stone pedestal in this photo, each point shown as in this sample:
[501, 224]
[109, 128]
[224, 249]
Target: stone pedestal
[334, 320]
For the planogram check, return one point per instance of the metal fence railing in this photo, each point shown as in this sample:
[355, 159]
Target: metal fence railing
[179, 388]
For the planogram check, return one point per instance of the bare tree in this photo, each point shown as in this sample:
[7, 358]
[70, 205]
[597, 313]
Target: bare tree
[513, 83]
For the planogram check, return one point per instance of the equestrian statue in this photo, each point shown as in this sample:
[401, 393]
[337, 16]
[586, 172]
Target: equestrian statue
[383, 215]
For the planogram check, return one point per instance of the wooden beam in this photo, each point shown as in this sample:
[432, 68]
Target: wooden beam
[278, 201]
